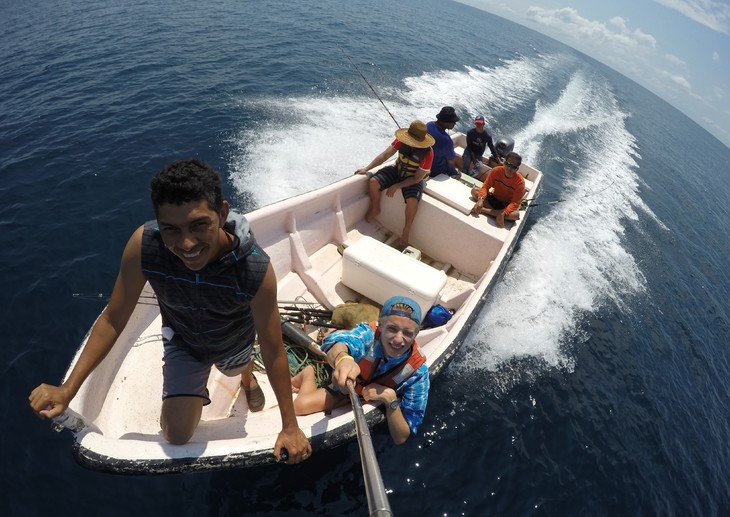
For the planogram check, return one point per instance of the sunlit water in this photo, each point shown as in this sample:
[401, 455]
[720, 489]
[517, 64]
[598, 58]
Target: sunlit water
[594, 382]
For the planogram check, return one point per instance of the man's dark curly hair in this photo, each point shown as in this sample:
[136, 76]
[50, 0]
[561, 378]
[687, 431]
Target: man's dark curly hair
[187, 180]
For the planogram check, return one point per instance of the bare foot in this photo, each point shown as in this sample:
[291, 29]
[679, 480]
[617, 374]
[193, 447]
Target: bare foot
[500, 219]
[298, 379]
[372, 214]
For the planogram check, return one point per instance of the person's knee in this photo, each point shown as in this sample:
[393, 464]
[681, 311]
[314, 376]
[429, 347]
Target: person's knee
[177, 434]
[308, 373]
[244, 369]
[411, 207]
[179, 418]
[308, 403]
[299, 405]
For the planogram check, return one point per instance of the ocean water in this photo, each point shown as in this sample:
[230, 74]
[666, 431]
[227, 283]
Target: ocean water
[595, 380]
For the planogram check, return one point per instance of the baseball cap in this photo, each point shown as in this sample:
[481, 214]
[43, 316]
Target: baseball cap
[402, 306]
[479, 119]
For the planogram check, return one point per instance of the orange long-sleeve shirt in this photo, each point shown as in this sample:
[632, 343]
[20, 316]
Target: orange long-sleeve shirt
[507, 190]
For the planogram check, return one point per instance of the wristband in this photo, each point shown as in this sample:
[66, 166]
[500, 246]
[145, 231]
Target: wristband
[345, 356]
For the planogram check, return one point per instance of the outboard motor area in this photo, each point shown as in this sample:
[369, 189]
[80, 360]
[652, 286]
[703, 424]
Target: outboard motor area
[504, 146]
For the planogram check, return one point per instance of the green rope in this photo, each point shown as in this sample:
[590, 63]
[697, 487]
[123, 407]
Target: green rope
[298, 359]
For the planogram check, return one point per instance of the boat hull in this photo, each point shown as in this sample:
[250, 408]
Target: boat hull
[305, 237]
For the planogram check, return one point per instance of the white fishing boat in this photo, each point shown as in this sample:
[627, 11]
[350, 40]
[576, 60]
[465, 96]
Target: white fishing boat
[324, 253]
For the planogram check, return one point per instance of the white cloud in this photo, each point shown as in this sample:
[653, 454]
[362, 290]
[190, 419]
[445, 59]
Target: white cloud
[638, 54]
[681, 80]
[632, 52]
[593, 33]
[675, 60]
[710, 13]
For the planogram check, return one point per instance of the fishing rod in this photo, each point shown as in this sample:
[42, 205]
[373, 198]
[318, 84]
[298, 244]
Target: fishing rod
[144, 299]
[301, 339]
[305, 310]
[371, 86]
[308, 316]
[572, 199]
[374, 488]
[313, 322]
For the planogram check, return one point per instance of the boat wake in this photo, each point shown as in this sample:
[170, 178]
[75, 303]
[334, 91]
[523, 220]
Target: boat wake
[572, 260]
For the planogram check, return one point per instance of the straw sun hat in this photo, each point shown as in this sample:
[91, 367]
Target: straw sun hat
[415, 135]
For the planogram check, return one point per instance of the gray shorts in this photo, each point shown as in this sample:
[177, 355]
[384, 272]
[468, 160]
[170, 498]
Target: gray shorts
[184, 376]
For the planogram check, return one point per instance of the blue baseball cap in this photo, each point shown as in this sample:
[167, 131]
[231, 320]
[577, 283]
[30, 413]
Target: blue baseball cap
[402, 306]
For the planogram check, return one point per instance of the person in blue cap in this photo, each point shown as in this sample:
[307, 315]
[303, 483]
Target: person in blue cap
[384, 361]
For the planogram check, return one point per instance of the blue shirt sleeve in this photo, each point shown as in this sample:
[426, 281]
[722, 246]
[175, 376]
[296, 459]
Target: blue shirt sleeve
[357, 340]
[413, 392]
[414, 397]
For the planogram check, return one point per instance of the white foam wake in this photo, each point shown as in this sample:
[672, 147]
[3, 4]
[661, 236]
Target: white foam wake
[309, 141]
[571, 261]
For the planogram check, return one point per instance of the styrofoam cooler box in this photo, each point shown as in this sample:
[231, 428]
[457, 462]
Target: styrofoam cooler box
[378, 271]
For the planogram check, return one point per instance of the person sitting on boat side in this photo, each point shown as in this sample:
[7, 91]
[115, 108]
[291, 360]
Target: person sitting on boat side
[502, 191]
[445, 159]
[415, 155]
[384, 361]
[216, 291]
[477, 140]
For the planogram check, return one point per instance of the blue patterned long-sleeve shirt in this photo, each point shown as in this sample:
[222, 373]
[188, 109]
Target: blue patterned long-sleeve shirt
[413, 391]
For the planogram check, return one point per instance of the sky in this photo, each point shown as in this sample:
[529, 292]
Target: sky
[678, 49]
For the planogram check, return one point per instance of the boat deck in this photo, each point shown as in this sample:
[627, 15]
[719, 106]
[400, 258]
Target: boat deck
[311, 240]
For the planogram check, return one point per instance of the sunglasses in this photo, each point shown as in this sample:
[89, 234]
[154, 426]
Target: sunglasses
[512, 165]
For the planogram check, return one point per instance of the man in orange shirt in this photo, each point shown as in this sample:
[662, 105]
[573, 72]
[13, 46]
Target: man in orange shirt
[502, 192]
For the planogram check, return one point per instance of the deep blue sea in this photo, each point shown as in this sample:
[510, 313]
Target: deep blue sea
[595, 382]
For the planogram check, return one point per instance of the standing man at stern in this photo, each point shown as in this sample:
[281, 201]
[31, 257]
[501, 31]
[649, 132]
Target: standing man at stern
[216, 290]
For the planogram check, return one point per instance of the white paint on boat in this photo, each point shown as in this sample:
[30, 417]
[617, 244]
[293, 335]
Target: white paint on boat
[304, 236]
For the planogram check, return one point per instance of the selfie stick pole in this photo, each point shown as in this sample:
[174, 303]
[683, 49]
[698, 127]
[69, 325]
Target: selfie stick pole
[374, 488]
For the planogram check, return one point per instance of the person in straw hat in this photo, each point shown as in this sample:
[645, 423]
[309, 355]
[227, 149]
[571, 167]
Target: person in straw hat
[413, 164]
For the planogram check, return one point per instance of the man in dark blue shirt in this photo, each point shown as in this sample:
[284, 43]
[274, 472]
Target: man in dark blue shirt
[445, 160]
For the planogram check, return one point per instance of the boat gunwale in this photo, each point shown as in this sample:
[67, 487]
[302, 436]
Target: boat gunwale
[330, 438]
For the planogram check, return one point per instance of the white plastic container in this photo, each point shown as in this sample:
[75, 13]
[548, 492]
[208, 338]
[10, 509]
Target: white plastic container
[412, 252]
[378, 271]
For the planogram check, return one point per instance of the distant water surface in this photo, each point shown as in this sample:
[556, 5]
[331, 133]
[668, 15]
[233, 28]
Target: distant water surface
[593, 383]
